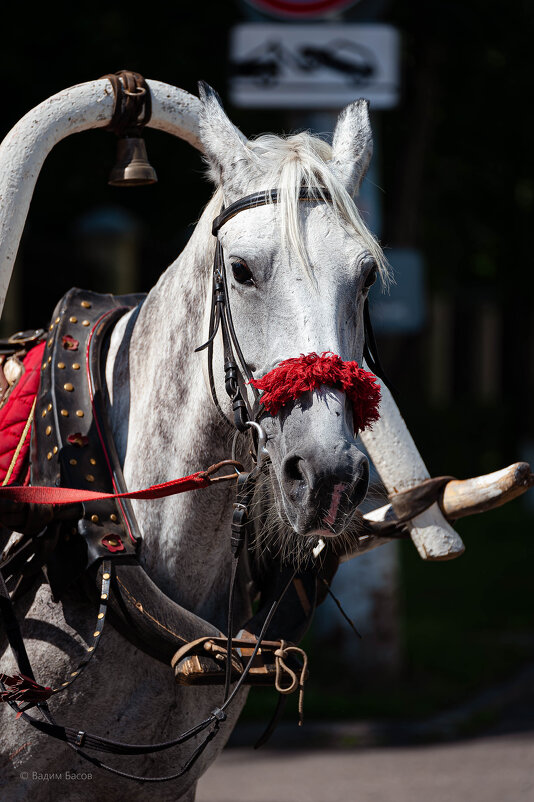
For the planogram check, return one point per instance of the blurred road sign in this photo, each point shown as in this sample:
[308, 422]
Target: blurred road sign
[313, 66]
[300, 9]
[402, 310]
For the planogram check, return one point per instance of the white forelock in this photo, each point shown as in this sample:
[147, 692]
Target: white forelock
[302, 160]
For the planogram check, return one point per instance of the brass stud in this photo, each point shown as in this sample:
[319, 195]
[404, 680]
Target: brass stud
[73, 461]
[44, 365]
[68, 387]
[85, 323]
[106, 575]
[113, 517]
[96, 634]
[49, 343]
[74, 673]
[92, 461]
[80, 413]
[49, 408]
[75, 366]
[48, 430]
[57, 320]
[100, 615]
[85, 304]
[90, 477]
[43, 413]
[49, 455]
[104, 596]
[65, 413]
[51, 326]
[95, 519]
[55, 449]
[90, 648]
[61, 365]
[63, 684]
[73, 319]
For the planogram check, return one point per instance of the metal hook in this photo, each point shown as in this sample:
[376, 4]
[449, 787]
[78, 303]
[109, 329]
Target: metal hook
[262, 454]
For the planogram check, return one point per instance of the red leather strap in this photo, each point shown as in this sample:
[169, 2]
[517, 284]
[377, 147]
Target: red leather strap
[70, 495]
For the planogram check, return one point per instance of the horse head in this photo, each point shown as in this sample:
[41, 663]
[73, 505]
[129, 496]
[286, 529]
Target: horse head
[298, 273]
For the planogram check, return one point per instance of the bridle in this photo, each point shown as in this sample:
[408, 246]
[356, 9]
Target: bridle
[236, 370]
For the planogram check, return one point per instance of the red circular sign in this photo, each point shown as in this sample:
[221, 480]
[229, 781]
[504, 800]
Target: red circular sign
[300, 8]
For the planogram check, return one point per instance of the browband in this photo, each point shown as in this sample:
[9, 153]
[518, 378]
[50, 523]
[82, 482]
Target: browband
[263, 198]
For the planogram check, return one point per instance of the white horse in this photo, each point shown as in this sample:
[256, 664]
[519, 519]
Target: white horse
[298, 275]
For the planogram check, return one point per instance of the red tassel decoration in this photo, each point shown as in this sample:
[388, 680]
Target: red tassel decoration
[293, 377]
[23, 689]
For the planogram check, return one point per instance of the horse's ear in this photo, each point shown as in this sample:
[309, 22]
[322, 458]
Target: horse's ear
[224, 145]
[352, 145]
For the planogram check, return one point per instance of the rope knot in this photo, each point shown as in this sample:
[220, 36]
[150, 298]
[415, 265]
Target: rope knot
[282, 670]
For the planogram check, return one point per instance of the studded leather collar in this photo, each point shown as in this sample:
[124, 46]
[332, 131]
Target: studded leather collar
[66, 448]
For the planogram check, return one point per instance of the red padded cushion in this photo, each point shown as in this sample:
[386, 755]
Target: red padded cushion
[14, 433]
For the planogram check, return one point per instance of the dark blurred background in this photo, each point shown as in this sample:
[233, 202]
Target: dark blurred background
[457, 178]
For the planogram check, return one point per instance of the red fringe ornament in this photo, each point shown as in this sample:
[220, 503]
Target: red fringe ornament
[23, 689]
[293, 377]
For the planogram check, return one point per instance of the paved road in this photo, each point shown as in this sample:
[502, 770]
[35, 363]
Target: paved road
[492, 768]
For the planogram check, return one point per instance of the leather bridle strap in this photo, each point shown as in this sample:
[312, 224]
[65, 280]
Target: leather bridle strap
[221, 315]
[264, 198]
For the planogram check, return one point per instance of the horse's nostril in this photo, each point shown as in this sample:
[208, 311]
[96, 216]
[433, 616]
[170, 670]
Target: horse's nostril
[292, 469]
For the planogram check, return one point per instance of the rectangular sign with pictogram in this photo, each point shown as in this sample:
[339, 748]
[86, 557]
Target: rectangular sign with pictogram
[313, 66]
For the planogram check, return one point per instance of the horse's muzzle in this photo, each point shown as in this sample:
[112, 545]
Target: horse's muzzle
[321, 491]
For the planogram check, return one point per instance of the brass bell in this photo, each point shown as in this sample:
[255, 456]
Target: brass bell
[132, 168]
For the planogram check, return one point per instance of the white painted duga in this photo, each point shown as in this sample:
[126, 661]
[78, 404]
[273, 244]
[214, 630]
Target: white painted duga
[79, 108]
[90, 105]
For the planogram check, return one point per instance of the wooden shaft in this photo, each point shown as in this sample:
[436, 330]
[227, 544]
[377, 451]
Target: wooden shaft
[482, 493]
[461, 497]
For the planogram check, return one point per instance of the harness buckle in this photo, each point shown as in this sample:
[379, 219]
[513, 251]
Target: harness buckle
[80, 737]
[28, 336]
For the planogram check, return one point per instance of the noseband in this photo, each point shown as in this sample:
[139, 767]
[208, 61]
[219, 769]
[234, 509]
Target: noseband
[236, 375]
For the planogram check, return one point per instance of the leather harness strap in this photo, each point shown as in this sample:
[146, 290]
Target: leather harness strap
[409, 503]
[264, 198]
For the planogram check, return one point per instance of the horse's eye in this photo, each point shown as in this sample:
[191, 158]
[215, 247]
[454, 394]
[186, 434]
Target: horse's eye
[371, 277]
[242, 273]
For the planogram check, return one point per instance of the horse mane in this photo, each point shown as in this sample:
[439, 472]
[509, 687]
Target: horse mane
[302, 160]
